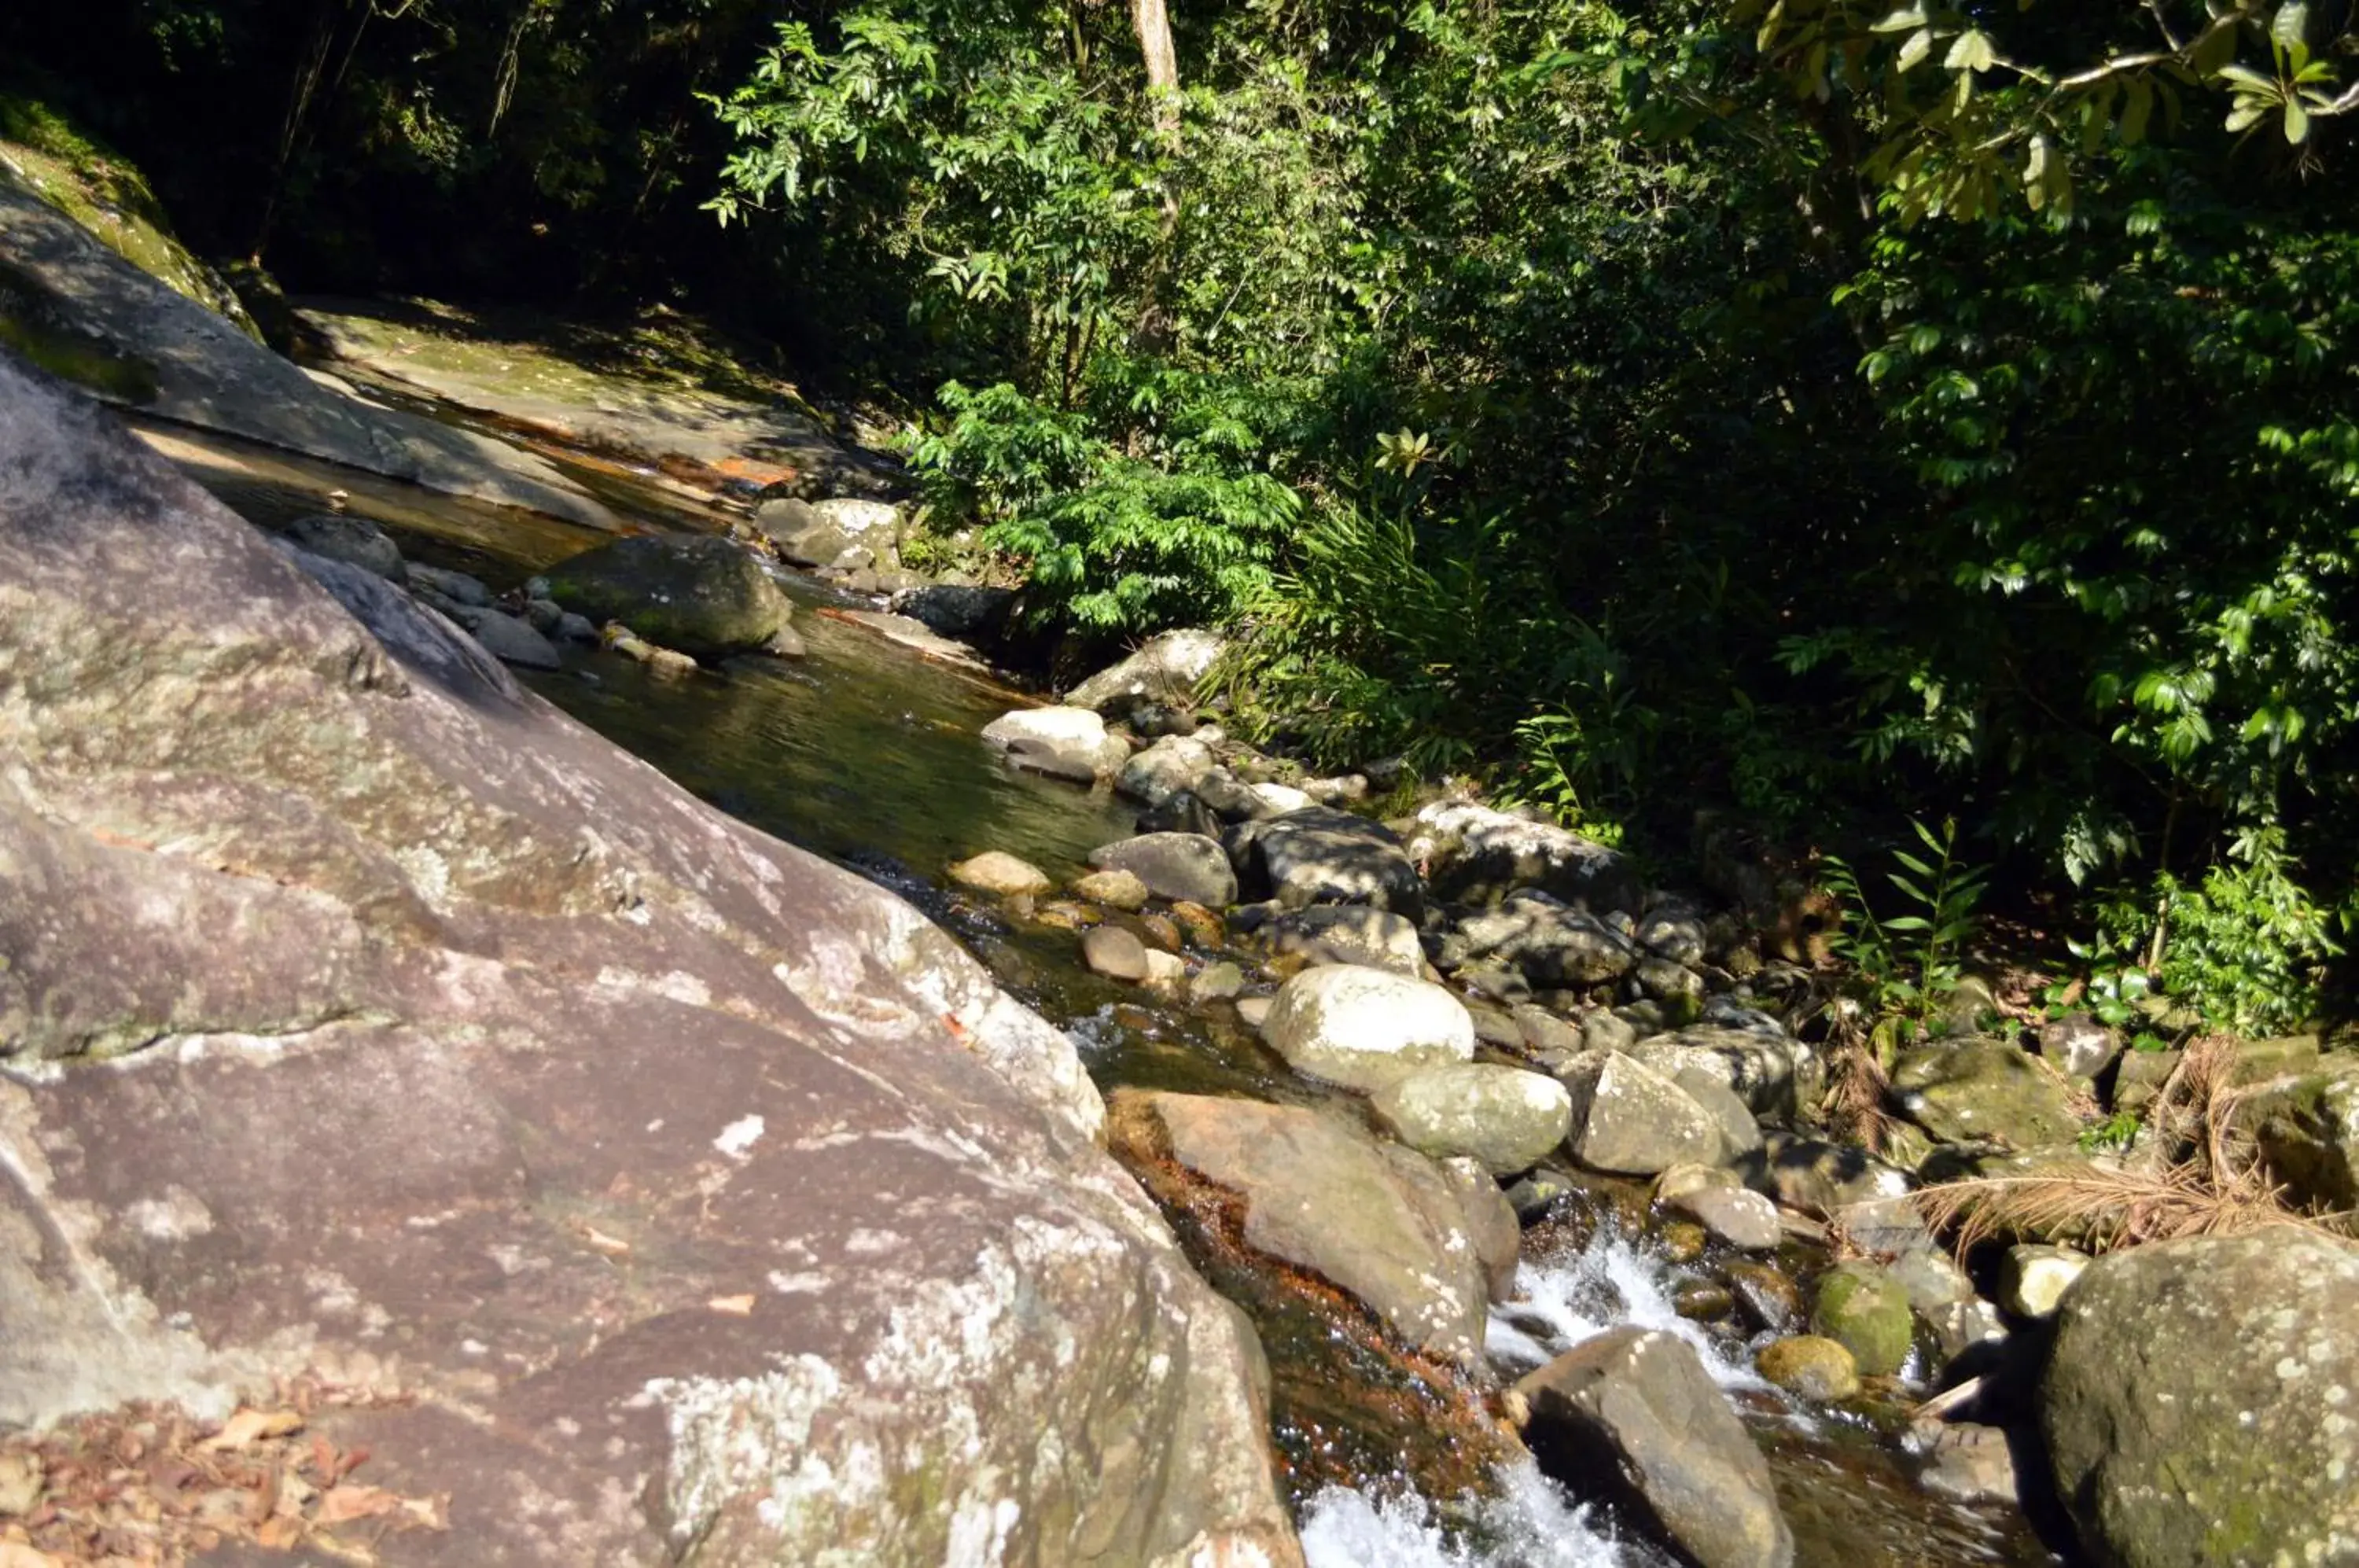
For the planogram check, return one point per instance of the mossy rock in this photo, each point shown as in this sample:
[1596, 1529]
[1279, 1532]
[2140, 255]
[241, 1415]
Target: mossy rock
[1967, 1090]
[703, 595]
[1814, 1367]
[1866, 1310]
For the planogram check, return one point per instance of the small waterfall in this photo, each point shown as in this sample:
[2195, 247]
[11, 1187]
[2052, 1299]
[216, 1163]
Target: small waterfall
[1610, 1283]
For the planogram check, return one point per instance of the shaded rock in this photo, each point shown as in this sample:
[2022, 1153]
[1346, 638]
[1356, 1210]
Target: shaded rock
[1736, 1215]
[1163, 670]
[1503, 1117]
[456, 587]
[355, 541]
[1069, 741]
[2033, 1277]
[491, 1032]
[1477, 855]
[1491, 1223]
[1204, 926]
[1182, 814]
[1366, 1029]
[1866, 1310]
[1635, 1410]
[1673, 929]
[1545, 1031]
[511, 641]
[1116, 889]
[2079, 1045]
[1774, 1075]
[1629, 1119]
[1172, 865]
[966, 611]
[1931, 1280]
[1740, 1135]
[1348, 933]
[1815, 1368]
[543, 616]
[572, 627]
[1318, 856]
[2307, 1127]
[997, 872]
[2197, 1401]
[1115, 953]
[1549, 942]
[702, 594]
[1377, 1220]
[1171, 767]
[1601, 1030]
[1766, 1297]
[1821, 1178]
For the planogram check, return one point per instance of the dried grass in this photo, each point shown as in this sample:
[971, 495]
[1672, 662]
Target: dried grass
[2198, 1177]
[1857, 1092]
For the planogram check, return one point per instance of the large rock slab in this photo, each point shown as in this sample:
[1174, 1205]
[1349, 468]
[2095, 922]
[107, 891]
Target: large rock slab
[1366, 1029]
[2307, 1129]
[1185, 866]
[1069, 741]
[1548, 941]
[173, 358]
[1774, 1074]
[1965, 1090]
[1630, 1120]
[2199, 1402]
[702, 594]
[1634, 1410]
[1319, 856]
[1380, 1221]
[668, 1190]
[1475, 854]
[1171, 767]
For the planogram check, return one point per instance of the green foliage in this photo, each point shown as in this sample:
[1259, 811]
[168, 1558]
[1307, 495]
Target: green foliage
[1909, 962]
[2114, 1134]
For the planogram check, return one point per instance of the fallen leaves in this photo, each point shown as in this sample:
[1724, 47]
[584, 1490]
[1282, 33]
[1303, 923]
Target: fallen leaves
[147, 1487]
[735, 1306]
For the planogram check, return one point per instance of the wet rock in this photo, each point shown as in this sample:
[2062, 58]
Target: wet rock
[1172, 865]
[543, 616]
[1629, 1119]
[1002, 875]
[1167, 974]
[1772, 1074]
[572, 627]
[1962, 1326]
[1634, 1410]
[1071, 742]
[1821, 1178]
[1172, 766]
[664, 661]
[1866, 1310]
[1115, 952]
[1979, 1088]
[1182, 814]
[1160, 931]
[1969, 1463]
[2078, 1045]
[1503, 1117]
[2307, 1127]
[1765, 1297]
[1700, 1300]
[1740, 1135]
[1164, 671]
[508, 1086]
[1547, 942]
[355, 541]
[455, 587]
[1931, 1280]
[702, 594]
[1491, 1223]
[1736, 1215]
[1116, 889]
[1202, 925]
[511, 641]
[1348, 933]
[2197, 1401]
[1216, 982]
[1322, 857]
[1377, 1220]
[1815, 1368]
[2033, 1277]
[1366, 1029]
[1254, 1011]
[1478, 855]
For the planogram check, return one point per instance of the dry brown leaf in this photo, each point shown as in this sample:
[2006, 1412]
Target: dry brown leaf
[15, 1554]
[250, 1426]
[20, 1483]
[279, 1533]
[735, 1306]
[612, 1245]
[345, 1503]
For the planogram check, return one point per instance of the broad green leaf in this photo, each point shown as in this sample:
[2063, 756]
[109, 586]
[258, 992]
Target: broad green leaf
[2215, 48]
[1972, 51]
[1908, 923]
[2246, 115]
[1913, 52]
[1912, 863]
[2137, 104]
[2290, 27]
[2297, 122]
[1902, 20]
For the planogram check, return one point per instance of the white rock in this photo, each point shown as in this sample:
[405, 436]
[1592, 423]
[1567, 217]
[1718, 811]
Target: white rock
[2032, 1279]
[1366, 1029]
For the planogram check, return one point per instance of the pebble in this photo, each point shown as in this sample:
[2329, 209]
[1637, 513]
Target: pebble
[1115, 952]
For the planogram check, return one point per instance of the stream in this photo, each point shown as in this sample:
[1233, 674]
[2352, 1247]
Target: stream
[868, 755]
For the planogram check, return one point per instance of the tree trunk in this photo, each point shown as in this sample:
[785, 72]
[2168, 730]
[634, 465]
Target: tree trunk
[1152, 21]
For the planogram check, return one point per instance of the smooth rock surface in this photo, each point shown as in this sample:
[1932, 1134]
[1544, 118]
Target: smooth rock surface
[1116, 889]
[1377, 1220]
[1348, 933]
[1478, 855]
[1505, 1118]
[1366, 1029]
[512, 642]
[2198, 1403]
[1551, 943]
[1164, 670]
[1319, 856]
[355, 540]
[1175, 865]
[1172, 766]
[1980, 1088]
[2033, 1277]
[1629, 1119]
[1633, 1411]
[427, 1007]
[705, 595]
[997, 872]
[1115, 952]
[1070, 741]
[1774, 1075]
[1866, 1310]
[1737, 1215]
[1808, 1364]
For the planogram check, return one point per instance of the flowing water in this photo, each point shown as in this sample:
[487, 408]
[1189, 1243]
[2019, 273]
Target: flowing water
[869, 755]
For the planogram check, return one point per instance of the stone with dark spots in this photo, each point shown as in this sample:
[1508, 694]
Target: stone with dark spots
[703, 595]
[1348, 933]
[1319, 856]
[349, 538]
[1633, 1411]
[1173, 865]
[1479, 856]
[668, 1174]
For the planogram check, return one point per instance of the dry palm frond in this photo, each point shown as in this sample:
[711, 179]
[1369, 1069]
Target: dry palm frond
[1855, 1100]
[2202, 1179]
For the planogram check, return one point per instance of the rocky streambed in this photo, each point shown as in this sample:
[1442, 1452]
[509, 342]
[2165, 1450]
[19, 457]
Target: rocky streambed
[1512, 1159]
